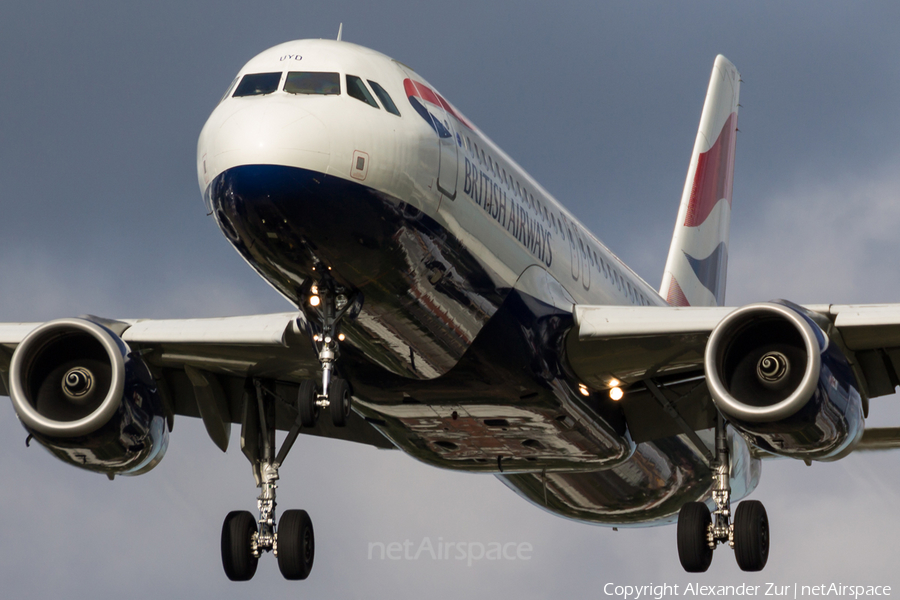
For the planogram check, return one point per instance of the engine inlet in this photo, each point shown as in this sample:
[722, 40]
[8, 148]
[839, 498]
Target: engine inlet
[77, 383]
[773, 369]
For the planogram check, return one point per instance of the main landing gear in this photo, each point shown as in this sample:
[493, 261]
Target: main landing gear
[699, 533]
[244, 538]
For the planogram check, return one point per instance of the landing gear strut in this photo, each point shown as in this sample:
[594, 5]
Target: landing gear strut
[699, 533]
[335, 393]
[245, 539]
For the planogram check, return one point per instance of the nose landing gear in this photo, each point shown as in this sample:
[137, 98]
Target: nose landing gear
[699, 532]
[333, 305]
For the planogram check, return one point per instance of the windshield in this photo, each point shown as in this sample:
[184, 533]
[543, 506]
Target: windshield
[257, 84]
[313, 83]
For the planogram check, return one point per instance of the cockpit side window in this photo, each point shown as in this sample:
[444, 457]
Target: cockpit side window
[385, 98]
[313, 83]
[357, 89]
[257, 84]
[230, 88]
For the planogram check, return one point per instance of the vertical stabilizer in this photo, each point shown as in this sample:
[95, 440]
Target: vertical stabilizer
[698, 257]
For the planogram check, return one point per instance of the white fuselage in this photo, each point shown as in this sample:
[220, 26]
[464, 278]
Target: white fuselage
[500, 212]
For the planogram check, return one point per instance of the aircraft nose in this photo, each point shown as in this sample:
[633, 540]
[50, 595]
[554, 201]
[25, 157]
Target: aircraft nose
[269, 131]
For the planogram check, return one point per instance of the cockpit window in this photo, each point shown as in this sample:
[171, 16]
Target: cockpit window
[385, 98]
[313, 83]
[230, 88]
[257, 84]
[357, 89]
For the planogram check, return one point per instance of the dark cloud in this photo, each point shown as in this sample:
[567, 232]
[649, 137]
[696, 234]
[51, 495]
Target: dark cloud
[100, 109]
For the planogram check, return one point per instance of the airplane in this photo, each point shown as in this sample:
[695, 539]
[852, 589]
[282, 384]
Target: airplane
[449, 307]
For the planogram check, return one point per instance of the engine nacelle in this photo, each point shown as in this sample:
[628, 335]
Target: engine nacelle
[81, 392]
[777, 377]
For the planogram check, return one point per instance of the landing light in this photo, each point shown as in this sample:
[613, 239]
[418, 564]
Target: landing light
[314, 300]
[616, 393]
[583, 389]
[341, 337]
[614, 382]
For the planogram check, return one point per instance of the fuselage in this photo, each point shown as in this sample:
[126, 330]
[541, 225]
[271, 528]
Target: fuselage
[328, 159]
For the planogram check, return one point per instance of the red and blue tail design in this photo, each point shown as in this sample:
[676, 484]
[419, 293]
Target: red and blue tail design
[698, 257]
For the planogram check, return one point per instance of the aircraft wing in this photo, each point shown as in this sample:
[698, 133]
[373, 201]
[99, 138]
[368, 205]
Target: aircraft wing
[202, 363]
[657, 354]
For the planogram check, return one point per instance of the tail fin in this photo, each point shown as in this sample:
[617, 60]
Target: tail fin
[698, 257]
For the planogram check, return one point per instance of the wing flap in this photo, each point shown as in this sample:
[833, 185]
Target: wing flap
[601, 322]
[259, 330]
[628, 344]
[867, 327]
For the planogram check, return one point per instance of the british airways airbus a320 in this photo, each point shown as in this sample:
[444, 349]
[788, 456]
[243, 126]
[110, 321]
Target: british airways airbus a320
[448, 306]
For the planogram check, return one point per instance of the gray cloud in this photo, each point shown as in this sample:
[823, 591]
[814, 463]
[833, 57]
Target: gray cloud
[100, 109]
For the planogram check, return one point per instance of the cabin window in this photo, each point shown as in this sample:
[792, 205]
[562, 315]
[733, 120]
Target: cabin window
[385, 98]
[357, 89]
[257, 84]
[326, 84]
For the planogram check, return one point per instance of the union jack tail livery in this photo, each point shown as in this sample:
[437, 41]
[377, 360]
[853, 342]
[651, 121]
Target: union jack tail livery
[698, 257]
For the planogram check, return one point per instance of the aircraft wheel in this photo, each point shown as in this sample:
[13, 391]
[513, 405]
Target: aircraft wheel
[751, 535]
[296, 544]
[237, 554]
[339, 401]
[306, 403]
[693, 546]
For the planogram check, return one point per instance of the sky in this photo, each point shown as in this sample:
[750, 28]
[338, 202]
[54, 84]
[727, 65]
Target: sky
[100, 108]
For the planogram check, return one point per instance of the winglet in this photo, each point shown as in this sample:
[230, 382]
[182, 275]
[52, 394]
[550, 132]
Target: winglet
[698, 257]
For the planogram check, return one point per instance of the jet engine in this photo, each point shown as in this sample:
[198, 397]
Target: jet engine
[776, 376]
[83, 394]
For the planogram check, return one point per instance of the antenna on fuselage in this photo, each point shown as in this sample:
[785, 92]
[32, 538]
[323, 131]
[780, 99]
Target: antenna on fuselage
[340, 29]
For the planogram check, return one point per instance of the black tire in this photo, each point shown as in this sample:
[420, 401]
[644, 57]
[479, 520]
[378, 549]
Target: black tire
[237, 555]
[306, 403]
[339, 402]
[693, 546]
[296, 545]
[751, 535]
